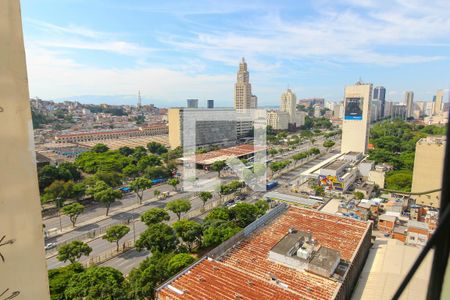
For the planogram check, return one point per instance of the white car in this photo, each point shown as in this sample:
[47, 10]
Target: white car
[50, 246]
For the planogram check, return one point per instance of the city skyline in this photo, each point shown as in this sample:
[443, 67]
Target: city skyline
[114, 50]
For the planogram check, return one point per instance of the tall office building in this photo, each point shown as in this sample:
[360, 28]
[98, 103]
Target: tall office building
[208, 130]
[409, 101]
[253, 102]
[428, 169]
[192, 103]
[438, 99]
[379, 93]
[278, 120]
[288, 103]
[398, 111]
[243, 88]
[23, 269]
[355, 127]
[375, 113]
[210, 103]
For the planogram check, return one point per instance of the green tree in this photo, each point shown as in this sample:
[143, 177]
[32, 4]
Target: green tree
[318, 190]
[157, 238]
[139, 185]
[107, 197]
[73, 211]
[279, 165]
[359, 195]
[179, 206]
[97, 283]
[130, 171]
[218, 166]
[205, 196]
[59, 279]
[218, 213]
[73, 251]
[219, 231]
[173, 182]
[262, 206]
[78, 191]
[179, 261]
[272, 152]
[328, 144]
[100, 148]
[154, 216]
[59, 191]
[111, 178]
[244, 213]
[157, 172]
[189, 231]
[148, 161]
[399, 180]
[156, 148]
[156, 193]
[66, 168]
[150, 273]
[115, 233]
[94, 186]
[126, 151]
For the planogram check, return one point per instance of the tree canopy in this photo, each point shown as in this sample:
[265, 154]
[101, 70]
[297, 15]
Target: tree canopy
[155, 215]
[73, 251]
[189, 231]
[73, 210]
[115, 233]
[97, 283]
[156, 148]
[158, 237]
[205, 196]
[179, 206]
[139, 185]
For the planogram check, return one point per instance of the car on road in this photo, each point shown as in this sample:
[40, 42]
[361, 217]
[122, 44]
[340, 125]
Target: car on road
[230, 203]
[50, 246]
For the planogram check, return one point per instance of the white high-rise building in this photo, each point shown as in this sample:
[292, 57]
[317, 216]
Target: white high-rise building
[355, 127]
[278, 120]
[317, 111]
[409, 101]
[243, 88]
[288, 104]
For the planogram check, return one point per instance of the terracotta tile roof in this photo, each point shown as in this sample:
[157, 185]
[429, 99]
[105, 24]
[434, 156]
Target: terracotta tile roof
[125, 131]
[248, 261]
[236, 151]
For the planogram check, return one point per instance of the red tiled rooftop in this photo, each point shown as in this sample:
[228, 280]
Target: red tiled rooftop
[248, 260]
[76, 134]
[237, 151]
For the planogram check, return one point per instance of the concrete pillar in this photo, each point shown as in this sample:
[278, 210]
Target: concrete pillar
[23, 274]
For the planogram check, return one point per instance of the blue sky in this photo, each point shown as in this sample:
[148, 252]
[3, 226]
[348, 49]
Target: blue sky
[107, 50]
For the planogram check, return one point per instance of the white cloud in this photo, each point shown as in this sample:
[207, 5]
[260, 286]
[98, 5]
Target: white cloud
[335, 34]
[52, 76]
[82, 38]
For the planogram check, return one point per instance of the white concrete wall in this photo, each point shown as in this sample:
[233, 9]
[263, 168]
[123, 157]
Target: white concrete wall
[24, 269]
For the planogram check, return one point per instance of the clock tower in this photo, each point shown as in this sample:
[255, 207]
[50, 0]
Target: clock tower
[243, 88]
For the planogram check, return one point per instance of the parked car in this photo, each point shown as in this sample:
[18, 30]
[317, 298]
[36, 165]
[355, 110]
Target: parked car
[50, 246]
[125, 189]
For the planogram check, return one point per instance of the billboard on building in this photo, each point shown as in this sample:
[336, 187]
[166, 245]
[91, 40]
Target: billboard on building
[331, 182]
[353, 108]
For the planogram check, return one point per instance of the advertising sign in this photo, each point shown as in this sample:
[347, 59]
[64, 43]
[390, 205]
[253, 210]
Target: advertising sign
[353, 108]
